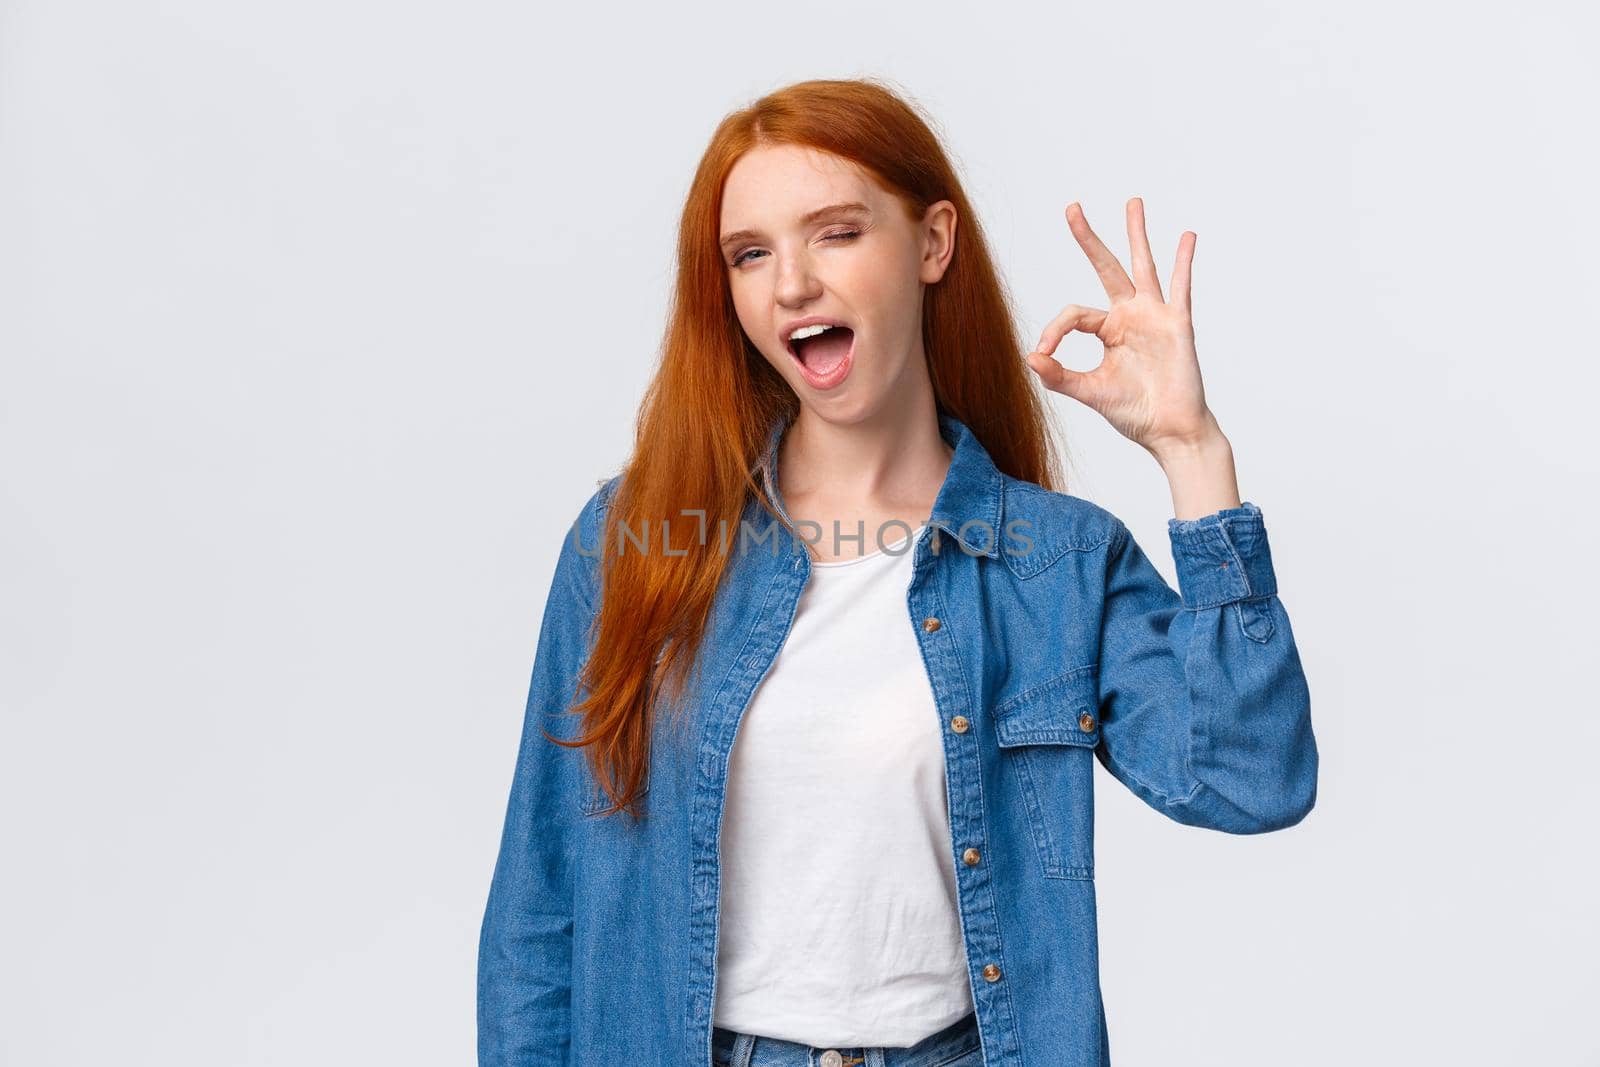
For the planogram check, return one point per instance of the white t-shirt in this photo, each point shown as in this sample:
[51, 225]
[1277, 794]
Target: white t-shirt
[838, 918]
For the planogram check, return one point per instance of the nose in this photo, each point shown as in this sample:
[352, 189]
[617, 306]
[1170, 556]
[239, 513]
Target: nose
[797, 281]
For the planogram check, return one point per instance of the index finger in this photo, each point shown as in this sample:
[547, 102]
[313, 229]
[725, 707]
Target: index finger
[1118, 285]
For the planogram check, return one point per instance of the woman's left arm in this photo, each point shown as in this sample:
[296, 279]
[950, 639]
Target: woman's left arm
[1206, 711]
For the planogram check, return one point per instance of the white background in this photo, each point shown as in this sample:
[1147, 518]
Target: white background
[319, 321]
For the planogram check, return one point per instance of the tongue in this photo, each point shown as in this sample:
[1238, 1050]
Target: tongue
[825, 351]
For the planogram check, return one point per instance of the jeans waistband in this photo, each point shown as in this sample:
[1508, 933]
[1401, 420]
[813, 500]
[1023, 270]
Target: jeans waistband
[946, 1046]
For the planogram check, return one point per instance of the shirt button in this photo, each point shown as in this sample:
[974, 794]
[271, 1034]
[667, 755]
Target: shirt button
[959, 724]
[991, 973]
[1086, 722]
[970, 857]
[831, 1058]
[930, 624]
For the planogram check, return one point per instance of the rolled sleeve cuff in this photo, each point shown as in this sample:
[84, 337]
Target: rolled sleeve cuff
[1222, 557]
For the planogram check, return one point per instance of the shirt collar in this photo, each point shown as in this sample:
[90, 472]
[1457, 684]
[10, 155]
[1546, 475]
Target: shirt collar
[968, 504]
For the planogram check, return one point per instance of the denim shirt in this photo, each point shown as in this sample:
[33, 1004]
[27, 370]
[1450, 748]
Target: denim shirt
[1050, 641]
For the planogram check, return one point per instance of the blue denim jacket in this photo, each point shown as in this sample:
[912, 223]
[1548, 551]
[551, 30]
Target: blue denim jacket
[1050, 642]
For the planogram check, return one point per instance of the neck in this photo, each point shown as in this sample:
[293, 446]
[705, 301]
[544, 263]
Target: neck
[889, 466]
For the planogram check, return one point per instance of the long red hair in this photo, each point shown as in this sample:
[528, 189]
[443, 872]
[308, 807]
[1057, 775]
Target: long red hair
[704, 418]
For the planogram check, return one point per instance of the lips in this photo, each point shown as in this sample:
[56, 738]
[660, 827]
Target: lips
[825, 360]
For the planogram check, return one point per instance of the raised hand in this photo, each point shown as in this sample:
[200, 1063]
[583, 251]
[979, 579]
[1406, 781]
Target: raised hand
[1148, 382]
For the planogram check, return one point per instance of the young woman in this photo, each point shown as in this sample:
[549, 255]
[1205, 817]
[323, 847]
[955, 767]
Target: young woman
[806, 777]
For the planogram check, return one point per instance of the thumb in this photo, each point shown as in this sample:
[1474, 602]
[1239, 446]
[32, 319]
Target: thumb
[1060, 379]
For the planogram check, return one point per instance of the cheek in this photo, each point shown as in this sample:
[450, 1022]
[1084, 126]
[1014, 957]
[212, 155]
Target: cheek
[885, 288]
[890, 303]
[760, 328]
[754, 321]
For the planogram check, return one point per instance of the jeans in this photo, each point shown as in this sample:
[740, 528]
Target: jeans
[954, 1046]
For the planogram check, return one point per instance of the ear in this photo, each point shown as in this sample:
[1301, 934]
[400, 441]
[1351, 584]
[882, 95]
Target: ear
[938, 240]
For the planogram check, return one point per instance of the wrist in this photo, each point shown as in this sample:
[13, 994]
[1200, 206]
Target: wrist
[1205, 445]
[1200, 473]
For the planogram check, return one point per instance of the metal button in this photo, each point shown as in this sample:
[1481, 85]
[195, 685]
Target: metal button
[991, 973]
[831, 1058]
[930, 624]
[970, 857]
[959, 724]
[1086, 722]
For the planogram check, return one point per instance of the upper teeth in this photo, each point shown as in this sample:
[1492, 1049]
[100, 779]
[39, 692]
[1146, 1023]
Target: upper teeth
[810, 331]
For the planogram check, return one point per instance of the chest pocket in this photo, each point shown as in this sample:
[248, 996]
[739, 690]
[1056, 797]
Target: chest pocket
[592, 798]
[1047, 735]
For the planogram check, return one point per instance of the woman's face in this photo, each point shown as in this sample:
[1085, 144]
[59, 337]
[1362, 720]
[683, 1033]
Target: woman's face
[808, 235]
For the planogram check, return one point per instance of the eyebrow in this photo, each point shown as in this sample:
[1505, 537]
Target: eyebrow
[806, 219]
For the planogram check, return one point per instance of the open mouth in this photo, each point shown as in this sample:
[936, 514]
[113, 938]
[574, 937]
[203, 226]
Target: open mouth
[826, 357]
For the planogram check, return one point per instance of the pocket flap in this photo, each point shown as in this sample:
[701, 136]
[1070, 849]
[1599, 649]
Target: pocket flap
[1053, 712]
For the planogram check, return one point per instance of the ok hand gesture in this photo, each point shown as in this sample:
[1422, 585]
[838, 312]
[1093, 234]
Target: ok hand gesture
[1148, 382]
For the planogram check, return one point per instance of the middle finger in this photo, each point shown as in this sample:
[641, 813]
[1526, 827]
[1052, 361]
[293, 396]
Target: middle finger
[1144, 264]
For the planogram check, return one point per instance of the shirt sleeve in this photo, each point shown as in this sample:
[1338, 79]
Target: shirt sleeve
[525, 944]
[1204, 707]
